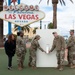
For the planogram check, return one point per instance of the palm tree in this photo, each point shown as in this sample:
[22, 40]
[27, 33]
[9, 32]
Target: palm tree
[25, 28]
[55, 2]
[1, 24]
[34, 31]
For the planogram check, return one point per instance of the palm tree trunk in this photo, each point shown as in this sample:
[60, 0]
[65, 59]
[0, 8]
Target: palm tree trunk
[54, 15]
[1, 25]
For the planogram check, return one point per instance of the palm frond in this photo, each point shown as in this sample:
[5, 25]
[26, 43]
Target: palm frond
[28, 26]
[27, 29]
[16, 28]
[40, 1]
[71, 1]
[47, 1]
[34, 31]
[22, 28]
[63, 2]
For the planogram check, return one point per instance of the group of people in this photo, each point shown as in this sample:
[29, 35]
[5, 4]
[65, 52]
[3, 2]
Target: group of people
[15, 45]
[18, 45]
[60, 46]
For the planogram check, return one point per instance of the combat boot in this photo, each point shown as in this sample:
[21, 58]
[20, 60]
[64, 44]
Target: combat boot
[58, 66]
[29, 65]
[71, 65]
[22, 65]
[61, 68]
[33, 67]
[19, 67]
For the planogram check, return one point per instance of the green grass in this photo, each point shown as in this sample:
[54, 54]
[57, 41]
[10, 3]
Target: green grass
[27, 70]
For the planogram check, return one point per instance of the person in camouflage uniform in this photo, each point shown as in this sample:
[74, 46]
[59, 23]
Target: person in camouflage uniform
[20, 50]
[33, 49]
[59, 45]
[71, 49]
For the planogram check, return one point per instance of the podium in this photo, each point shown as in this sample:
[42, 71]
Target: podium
[46, 41]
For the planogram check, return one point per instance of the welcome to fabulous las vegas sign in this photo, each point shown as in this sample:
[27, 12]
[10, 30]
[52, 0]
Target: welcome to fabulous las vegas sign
[21, 14]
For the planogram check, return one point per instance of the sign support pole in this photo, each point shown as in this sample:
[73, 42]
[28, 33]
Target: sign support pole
[19, 28]
[40, 24]
[9, 24]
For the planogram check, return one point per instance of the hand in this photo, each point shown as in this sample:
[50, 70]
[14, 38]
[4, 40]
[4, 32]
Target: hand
[44, 51]
[62, 48]
[49, 51]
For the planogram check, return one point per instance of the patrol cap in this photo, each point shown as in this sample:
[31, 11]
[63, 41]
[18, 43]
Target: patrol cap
[54, 32]
[18, 33]
[72, 31]
[37, 36]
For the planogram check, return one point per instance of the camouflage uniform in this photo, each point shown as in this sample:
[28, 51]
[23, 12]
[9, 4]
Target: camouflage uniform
[71, 49]
[58, 44]
[20, 49]
[33, 49]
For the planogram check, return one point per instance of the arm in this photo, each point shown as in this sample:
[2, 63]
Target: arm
[53, 46]
[14, 44]
[7, 47]
[63, 43]
[71, 42]
[18, 42]
[40, 48]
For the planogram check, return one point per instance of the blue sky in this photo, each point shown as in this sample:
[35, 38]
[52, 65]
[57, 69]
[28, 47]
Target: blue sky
[65, 15]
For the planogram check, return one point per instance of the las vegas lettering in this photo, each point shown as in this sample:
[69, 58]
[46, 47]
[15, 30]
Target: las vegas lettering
[22, 16]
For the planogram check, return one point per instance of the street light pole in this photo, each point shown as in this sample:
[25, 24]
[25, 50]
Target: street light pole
[40, 24]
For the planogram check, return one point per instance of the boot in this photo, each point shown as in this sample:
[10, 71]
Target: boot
[71, 65]
[68, 65]
[29, 65]
[9, 68]
[58, 66]
[33, 67]
[19, 67]
[61, 68]
[22, 65]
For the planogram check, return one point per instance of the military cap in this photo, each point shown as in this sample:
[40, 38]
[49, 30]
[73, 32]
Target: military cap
[37, 36]
[54, 32]
[18, 33]
[72, 31]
